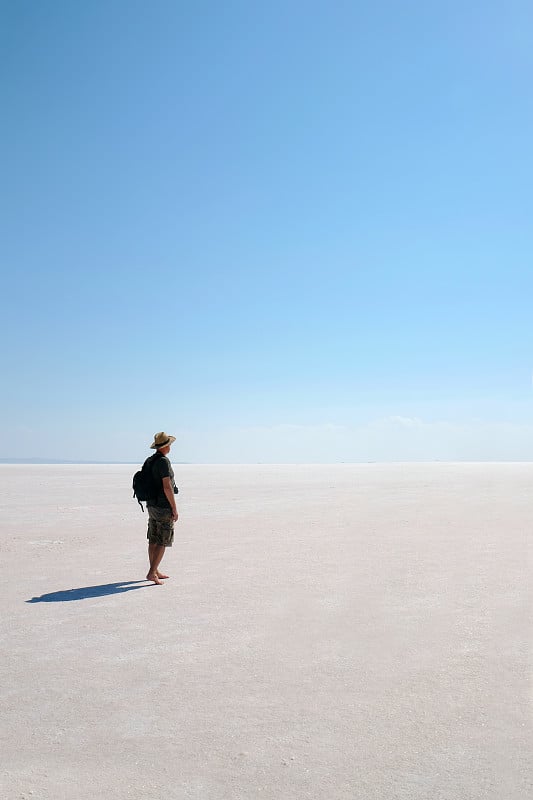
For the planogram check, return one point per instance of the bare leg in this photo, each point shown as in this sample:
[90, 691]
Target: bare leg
[155, 555]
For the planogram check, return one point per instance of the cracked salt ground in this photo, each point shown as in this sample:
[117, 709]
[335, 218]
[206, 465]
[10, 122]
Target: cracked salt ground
[350, 631]
[46, 542]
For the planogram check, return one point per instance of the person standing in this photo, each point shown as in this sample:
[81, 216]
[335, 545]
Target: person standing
[162, 511]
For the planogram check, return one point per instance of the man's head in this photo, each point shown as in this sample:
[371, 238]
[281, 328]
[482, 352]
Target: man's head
[162, 442]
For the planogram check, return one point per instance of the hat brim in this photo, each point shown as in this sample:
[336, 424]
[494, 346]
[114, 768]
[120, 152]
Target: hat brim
[155, 446]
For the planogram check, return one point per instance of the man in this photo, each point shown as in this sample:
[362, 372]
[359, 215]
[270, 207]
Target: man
[162, 512]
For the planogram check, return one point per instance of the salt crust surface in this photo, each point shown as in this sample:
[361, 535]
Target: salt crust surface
[328, 632]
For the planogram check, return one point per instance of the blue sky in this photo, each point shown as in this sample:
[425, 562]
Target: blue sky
[282, 231]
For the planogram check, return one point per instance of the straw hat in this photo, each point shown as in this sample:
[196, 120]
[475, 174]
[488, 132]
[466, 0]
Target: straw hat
[161, 440]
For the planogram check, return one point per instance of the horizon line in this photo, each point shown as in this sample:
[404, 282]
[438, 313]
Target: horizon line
[67, 462]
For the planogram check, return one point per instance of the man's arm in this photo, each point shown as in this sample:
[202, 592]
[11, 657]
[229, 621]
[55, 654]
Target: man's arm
[169, 494]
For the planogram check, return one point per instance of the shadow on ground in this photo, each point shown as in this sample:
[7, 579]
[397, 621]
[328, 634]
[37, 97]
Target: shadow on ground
[85, 592]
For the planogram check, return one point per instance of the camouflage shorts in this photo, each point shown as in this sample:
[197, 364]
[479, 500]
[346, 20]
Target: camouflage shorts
[160, 526]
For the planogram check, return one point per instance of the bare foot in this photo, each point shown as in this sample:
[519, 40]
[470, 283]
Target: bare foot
[160, 575]
[155, 579]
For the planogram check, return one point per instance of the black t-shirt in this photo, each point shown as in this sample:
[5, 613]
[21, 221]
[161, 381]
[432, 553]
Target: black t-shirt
[162, 468]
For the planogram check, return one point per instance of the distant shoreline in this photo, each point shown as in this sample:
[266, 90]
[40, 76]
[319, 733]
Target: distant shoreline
[59, 462]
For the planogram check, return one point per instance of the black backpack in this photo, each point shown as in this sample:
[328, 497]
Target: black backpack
[145, 485]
